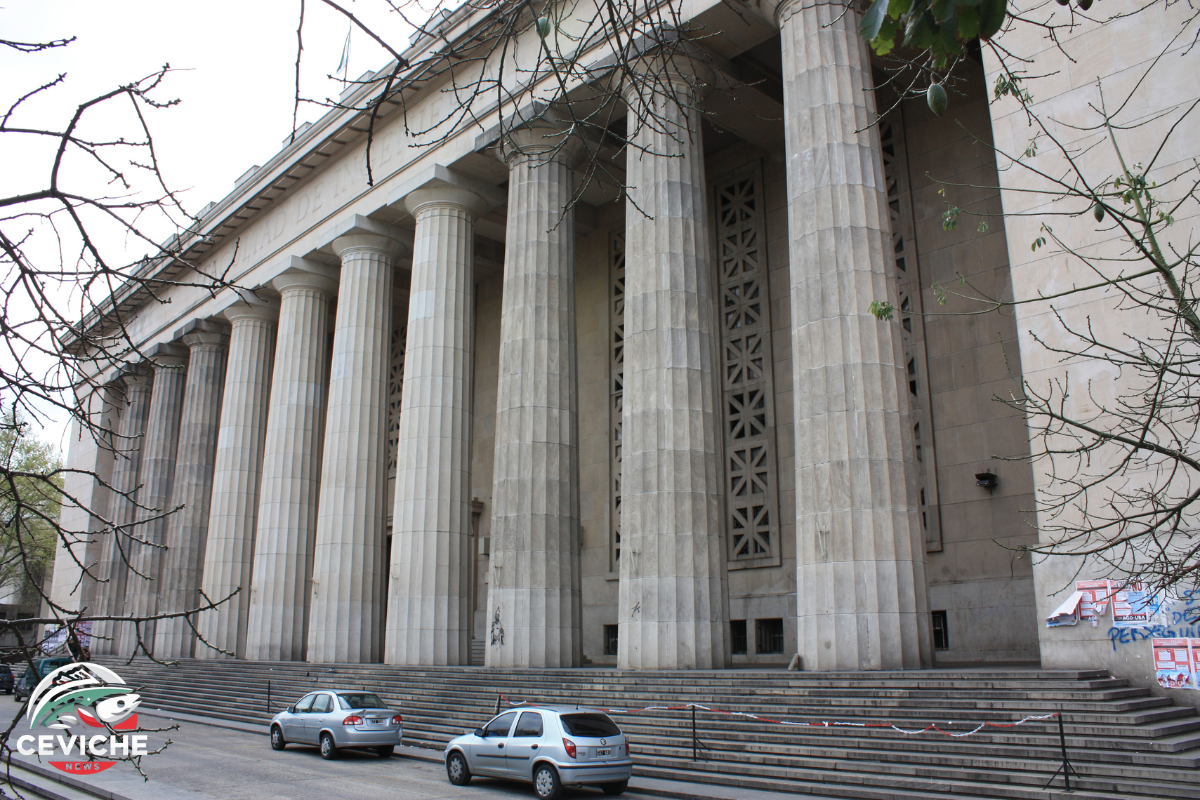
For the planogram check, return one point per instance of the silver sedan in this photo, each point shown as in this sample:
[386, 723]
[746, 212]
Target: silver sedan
[333, 719]
[548, 746]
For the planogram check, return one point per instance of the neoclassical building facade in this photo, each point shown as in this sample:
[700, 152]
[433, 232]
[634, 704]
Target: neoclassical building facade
[480, 411]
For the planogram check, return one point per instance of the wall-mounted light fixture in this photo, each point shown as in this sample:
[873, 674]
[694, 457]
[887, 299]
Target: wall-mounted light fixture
[987, 480]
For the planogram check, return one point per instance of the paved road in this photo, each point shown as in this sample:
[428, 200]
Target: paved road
[207, 762]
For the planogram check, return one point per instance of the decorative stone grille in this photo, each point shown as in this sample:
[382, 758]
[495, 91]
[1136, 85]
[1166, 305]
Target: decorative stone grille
[397, 343]
[752, 503]
[616, 310]
[912, 323]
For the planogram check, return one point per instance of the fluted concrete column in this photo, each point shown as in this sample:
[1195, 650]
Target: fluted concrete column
[157, 476]
[229, 553]
[280, 586]
[346, 620]
[673, 603]
[860, 558]
[187, 530]
[428, 612]
[534, 592]
[130, 434]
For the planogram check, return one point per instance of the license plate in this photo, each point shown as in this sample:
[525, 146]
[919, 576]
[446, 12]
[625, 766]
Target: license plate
[374, 722]
[607, 751]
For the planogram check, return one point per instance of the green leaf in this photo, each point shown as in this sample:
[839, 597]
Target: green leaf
[872, 21]
[968, 23]
[881, 311]
[886, 40]
[991, 17]
[942, 10]
[949, 36]
[921, 31]
[896, 8]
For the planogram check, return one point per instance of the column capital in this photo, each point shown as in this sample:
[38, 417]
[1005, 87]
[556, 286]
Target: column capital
[204, 338]
[541, 140]
[135, 382]
[241, 310]
[774, 12]
[130, 375]
[303, 273]
[684, 66]
[166, 356]
[358, 231]
[394, 248]
[445, 196]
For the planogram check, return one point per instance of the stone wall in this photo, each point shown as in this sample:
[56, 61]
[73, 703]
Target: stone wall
[985, 590]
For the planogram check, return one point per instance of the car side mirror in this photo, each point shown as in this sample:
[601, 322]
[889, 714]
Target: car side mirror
[291, 709]
[479, 732]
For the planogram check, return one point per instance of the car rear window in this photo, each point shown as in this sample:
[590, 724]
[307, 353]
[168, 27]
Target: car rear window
[5, 669]
[351, 700]
[589, 725]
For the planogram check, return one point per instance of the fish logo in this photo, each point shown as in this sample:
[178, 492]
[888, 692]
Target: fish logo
[96, 692]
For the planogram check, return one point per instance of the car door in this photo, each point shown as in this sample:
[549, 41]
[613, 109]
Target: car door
[318, 717]
[524, 743]
[293, 723]
[489, 756]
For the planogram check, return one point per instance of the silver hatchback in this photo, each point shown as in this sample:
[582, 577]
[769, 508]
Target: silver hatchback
[333, 719]
[548, 746]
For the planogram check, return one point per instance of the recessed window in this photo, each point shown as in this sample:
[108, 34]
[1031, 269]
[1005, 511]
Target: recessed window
[941, 631]
[610, 639]
[737, 636]
[768, 636]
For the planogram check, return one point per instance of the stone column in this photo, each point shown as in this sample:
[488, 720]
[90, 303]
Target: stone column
[187, 530]
[291, 474]
[428, 619]
[860, 557]
[77, 580]
[534, 593]
[673, 606]
[346, 620]
[130, 435]
[157, 476]
[229, 553]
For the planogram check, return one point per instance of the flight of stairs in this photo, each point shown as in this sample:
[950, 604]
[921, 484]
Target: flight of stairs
[1124, 742]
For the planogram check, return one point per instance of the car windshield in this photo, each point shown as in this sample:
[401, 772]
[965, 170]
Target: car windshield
[352, 700]
[589, 725]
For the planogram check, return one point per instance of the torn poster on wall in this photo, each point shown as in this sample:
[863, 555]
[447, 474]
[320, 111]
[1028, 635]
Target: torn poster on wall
[1177, 662]
[1133, 605]
[1067, 613]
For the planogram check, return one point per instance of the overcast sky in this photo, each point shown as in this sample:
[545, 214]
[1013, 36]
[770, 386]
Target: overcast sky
[235, 80]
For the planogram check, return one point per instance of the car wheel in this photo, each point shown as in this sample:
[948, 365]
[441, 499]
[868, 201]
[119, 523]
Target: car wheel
[457, 770]
[277, 740]
[328, 748]
[546, 782]
[615, 788]
[385, 752]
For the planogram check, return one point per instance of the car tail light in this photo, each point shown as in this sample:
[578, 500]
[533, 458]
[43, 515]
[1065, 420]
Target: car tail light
[570, 746]
[353, 719]
[627, 747]
[397, 720]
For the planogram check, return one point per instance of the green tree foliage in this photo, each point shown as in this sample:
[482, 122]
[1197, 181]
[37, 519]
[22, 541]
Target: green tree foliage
[30, 498]
[940, 27]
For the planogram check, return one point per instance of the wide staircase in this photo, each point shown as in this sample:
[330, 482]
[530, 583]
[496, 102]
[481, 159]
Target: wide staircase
[1122, 741]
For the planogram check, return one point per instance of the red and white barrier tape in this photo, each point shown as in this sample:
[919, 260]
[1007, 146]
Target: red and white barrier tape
[822, 724]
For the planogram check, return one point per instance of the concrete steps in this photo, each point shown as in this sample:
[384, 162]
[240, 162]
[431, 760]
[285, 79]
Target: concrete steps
[1124, 742]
